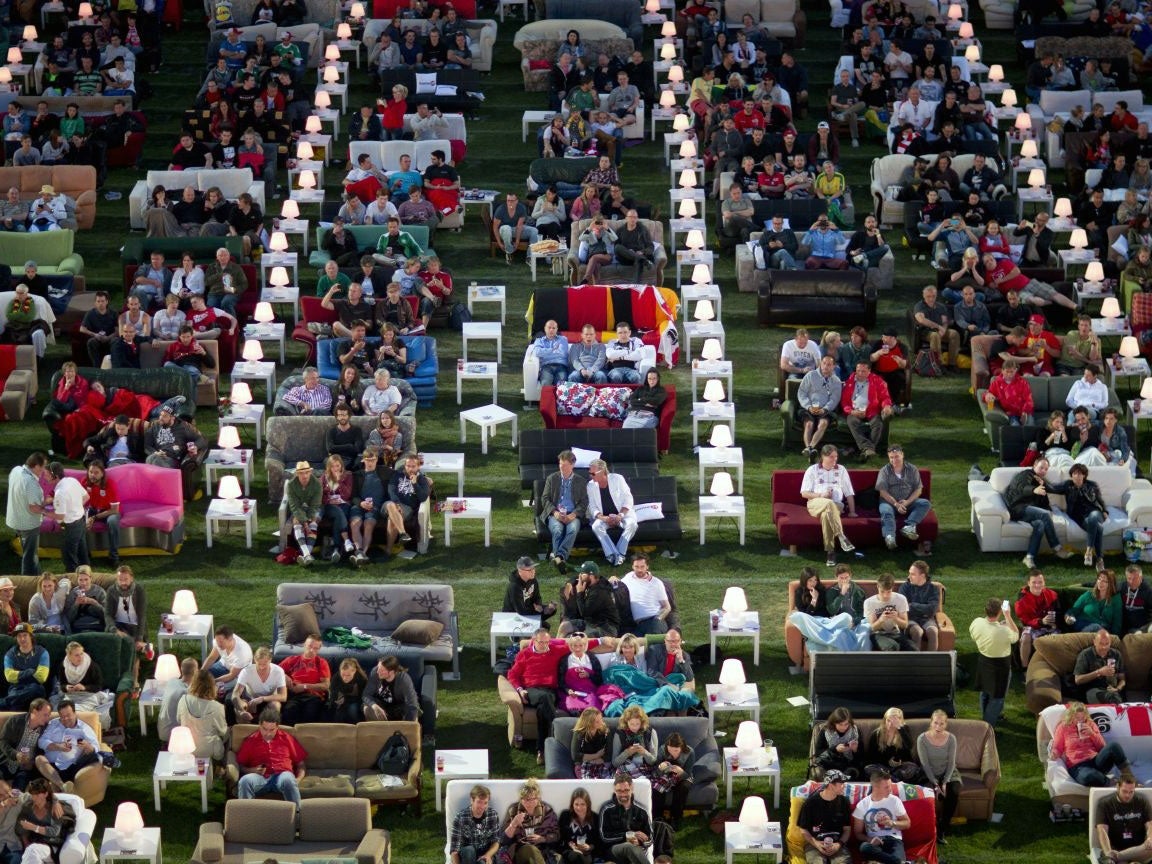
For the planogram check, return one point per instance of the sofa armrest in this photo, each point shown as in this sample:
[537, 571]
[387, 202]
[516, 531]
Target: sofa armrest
[76, 847]
[1139, 507]
[71, 264]
[531, 376]
[373, 848]
[707, 767]
[428, 686]
[509, 696]
[991, 506]
[990, 763]
[424, 520]
[137, 198]
[210, 847]
[944, 623]
[558, 763]
[414, 770]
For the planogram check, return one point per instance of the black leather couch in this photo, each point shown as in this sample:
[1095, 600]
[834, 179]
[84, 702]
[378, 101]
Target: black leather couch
[466, 82]
[631, 452]
[828, 296]
[644, 490]
[868, 683]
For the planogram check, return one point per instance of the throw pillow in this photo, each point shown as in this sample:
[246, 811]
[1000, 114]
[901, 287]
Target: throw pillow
[539, 65]
[649, 512]
[584, 458]
[574, 400]
[611, 402]
[296, 622]
[418, 632]
[425, 83]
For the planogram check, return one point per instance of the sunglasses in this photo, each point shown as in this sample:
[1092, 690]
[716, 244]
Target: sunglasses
[125, 602]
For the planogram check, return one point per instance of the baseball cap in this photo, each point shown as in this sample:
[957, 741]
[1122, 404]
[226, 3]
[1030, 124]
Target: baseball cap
[835, 776]
[590, 567]
[823, 125]
[526, 562]
[1036, 319]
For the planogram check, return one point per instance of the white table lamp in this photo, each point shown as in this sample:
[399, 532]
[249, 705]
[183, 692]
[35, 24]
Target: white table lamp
[704, 311]
[1129, 347]
[1078, 239]
[1008, 98]
[750, 745]
[129, 823]
[332, 52]
[312, 125]
[279, 275]
[15, 56]
[722, 485]
[676, 75]
[229, 488]
[1063, 209]
[668, 30]
[85, 11]
[688, 151]
[253, 352]
[687, 209]
[1146, 390]
[343, 32]
[668, 52]
[695, 240]
[240, 397]
[652, 7]
[1029, 150]
[332, 73]
[667, 97]
[184, 604]
[306, 179]
[1094, 274]
[358, 12]
[681, 123]
[229, 439]
[290, 209]
[263, 313]
[701, 275]
[30, 33]
[5, 75]
[753, 815]
[735, 603]
[972, 53]
[732, 678]
[721, 437]
[322, 100]
[1036, 178]
[1023, 123]
[687, 177]
[1110, 309]
[278, 242]
[711, 353]
[966, 30]
[955, 12]
[713, 395]
[167, 668]
[183, 750]
[996, 73]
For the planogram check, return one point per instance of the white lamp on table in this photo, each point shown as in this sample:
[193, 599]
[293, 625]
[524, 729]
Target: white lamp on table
[712, 353]
[15, 56]
[84, 13]
[290, 210]
[731, 679]
[753, 815]
[722, 484]
[688, 151]
[129, 823]
[1036, 179]
[721, 439]
[1008, 98]
[306, 179]
[652, 7]
[735, 603]
[313, 125]
[241, 398]
[1078, 240]
[343, 33]
[1129, 348]
[358, 12]
[6, 79]
[332, 52]
[668, 52]
[687, 209]
[229, 439]
[701, 275]
[278, 243]
[676, 75]
[183, 749]
[687, 176]
[264, 313]
[680, 123]
[996, 73]
[331, 74]
[167, 669]
[1110, 310]
[1146, 391]
[1094, 276]
[667, 97]
[972, 53]
[1023, 125]
[1029, 150]
[955, 12]
[184, 604]
[966, 31]
[229, 488]
[750, 746]
[713, 395]
[279, 276]
[695, 240]
[668, 30]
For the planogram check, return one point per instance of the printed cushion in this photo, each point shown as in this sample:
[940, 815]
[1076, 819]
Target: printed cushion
[574, 400]
[611, 402]
[1141, 310]
[539, 65]
[649, 512]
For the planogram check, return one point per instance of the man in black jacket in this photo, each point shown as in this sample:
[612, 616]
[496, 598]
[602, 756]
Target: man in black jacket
[625, 830]
[390, 693]
[563, 505]
[174, 443]
[523, 593]
[596, 601]
[1027, 500]
[18, 747]
[1038, 241]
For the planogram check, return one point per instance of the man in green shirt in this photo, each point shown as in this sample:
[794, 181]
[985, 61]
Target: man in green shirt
[582, 98]
[332, 276]
[26, 509]
[396, 246]
[304, 510]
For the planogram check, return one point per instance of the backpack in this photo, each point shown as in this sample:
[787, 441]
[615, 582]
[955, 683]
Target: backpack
[345, 638]
[459, 316]
[927, 364]
[395, 756]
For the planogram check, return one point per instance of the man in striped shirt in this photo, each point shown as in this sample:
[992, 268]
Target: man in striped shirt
[310, 397]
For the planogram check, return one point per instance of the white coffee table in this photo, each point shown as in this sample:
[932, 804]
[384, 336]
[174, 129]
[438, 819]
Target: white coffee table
[273, 332]
[285, 295]
[145, 846]
[476, 508]
[487, 417]
[1075, 257]
[150, 697]
[720, 506]
[287, 260]
[510, 625]
[1130, 367]
[738, 841]
[476, 372]
[722, 412]
[223, 510]
[722, 459]
[1116, 328]
[769, 767]
[690, 258]
[261, 371]
[484, 330]
[200, 628]
[247, 415]
[445, 463]
[533, 118]
[750, 629]
[219, 461]
[296, 226]
[691, 293]
[703, 330]
[553, 259]
[458, 765]
[162, 775]
[488, 294]
[746, 699]
[703, 370]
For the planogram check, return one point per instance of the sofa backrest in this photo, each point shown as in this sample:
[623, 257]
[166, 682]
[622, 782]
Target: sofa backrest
[260, 821]
[328, 745]
[141, 485]
[867, 585]
[655, 230]
[802, 283]
[371, 735]
[1114, 481]
[335, 820]
[47, 248]
[869, 683]
[620, 448]
[786, 484]
[556, 30]
[296, 438]
[548, 172]
[378, 609]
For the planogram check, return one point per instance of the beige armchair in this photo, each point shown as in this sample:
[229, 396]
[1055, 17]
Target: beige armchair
[20, 385]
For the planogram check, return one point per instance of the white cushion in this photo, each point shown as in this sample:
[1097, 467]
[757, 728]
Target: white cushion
[649, 512]
[584, 457]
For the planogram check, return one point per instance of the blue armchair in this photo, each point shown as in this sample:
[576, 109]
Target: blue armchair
[421, 351]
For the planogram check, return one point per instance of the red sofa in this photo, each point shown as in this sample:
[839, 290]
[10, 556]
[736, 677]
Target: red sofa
[797, 528]
[127, 156]
[554, 420]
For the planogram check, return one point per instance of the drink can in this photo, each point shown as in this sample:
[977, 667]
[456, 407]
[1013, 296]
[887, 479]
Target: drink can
[1137, 405]
[247, 505]
[440, 763]
[460, 364]
[715, 621]
[734, 761]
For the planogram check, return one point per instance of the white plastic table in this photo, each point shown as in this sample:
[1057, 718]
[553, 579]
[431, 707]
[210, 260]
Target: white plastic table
[261, 370]
[487, 417]
[445, 463]
[458, 765]
[488, 294]
[718, 507]
[273, 332]
[705, 369]
[296, 226]
[484, 330]
[553, 258]
[150, 698]
[286, 295]
[723, 412]
[223, 510]
[769, 767]
[738, 841]
[145, 847]
[703, 330]
[477, 508]
[746, 699]
[749, 629]
[722, 459]
[533, 118]
[476, 372]
[218, 461]
[247, 415]
[510, 625]
[162, 775]
[200, 629]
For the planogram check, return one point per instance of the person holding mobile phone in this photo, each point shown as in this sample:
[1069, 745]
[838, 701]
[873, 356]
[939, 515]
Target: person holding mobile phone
[579, 836]
[994, 634]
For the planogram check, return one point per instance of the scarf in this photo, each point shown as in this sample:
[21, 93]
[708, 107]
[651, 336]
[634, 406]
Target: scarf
[76, 674]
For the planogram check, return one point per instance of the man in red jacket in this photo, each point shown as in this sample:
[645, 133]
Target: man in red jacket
[867, 405]
[1011, 393]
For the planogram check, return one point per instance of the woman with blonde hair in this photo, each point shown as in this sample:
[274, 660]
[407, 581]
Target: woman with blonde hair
[531, 830]
[937, 751]
[80, 679]
[46, 608]
[1099, 608]
[890, 746]
[200, 712]
[1078, 742]
[336, 496]
[627, 653]
[589, 747]
[634, 746]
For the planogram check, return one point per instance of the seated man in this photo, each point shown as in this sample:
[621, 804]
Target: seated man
[867, 406]
[304, 504]
[778, 246]
[418, 210]
[26, 668]
[551, 350]
[225, 281]
[823, 239]
[564, 503]
[887, 615]
[407, 490]
[901, 492]
[669, 658]
[1011, 393]
[69, 744]
[623, 355]
[475, 834]
[828, 490]
[309, 678]
[355, 308]
[934, 324]
[634, 245]
[1026, 504]
[587, 358]
[104, 507]
[625, 829]
[229, 656]
[1100, 671]
[271, 760]
[800, 355]
[535, 677]
[17, 754]
[819, 399]
[1124, 819]
[648, 598]
[610, 506]
[510, 224]
[174, 443]
[396, 246]
[390, 693]
[878, 820]
[310, 397]
[188, 355]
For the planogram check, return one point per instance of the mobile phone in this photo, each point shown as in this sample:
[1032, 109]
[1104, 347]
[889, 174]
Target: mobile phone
[1004, 606]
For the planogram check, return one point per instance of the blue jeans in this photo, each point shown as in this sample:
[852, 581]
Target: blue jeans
[113, 535]
[21, 694]
[1094, 771]
[227, 302]
[886, 850]
[193, 371]
[1094, 527]
[553, 373]
[782, 259]
[283, 784]
[916, 514]
[30, 544]
[872, 256]
[1042, 527]
[75, 546]
[338, 514]
[978, 131]
[650, 626]
[577, 377]
[622, 375]
[563, 536]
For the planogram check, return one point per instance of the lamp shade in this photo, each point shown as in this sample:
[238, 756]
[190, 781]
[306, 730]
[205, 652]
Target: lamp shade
[1094, 272]
[129, 820]
[85, 10]
[30, 33]
[701, 274]
[1078, 239]
[331, 73]
[306, 179]
[1023, 122]
[229, 488]
[1146, 389]
[721, 437]
[1129, 347]
[713, 350]
[1036, 178]
[734, 598]
[1008, 98]
[668, 52]
[732, 673]
[668, 30]
[996, 73]
[681, 123]
[264, 313]
[955, 12]
[15, 56]
[241, 393]
[279, 275]
[289, 210]
[184, 600]
[312, 124]
[972, 53]
[748, 737]
[687, 177]
[667, 98]
[704, 311]
[5, 75]
[358, 11]
[229, 436]
[695, 239]
[1063, 208]
[687, 209]
[1110, 308]
[966, 31]
[721, 484]
[652, 7]
[754, 813]
[714, 390]
[253, 353]
[1029, 150]
[278, 242]
[332, 52]
[180, 741]
[322, 100]
[343, 32]
[676, 75]
[688, 151]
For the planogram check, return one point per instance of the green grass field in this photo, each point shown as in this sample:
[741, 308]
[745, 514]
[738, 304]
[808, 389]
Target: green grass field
[942, 433]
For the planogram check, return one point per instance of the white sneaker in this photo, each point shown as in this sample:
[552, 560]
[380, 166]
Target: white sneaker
[855, 142]
[349, 547]
[909, 531]
[845, 543]
[1062, 553]
[1089, 557]
[890, 541]
[1029, 562]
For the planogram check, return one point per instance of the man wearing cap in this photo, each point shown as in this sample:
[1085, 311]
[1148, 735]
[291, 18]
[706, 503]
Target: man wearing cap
[288, 50]
[610, 506]
[47, 211]
[70, 503]
[303, 492]
[522, 595]
[596, 603]
[174, 443]
[826, 822]
[564, 503]
[26, 668]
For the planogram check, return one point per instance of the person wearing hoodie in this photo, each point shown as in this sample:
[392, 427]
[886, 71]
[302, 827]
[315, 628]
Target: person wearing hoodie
[923, 601]
[523, 593]
[200, 712]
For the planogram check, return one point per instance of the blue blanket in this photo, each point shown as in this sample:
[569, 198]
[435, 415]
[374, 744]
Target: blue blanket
[646, 691]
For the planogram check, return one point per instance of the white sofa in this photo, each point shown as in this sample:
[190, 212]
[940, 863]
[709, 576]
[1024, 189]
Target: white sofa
[1129, 505]
[531, 388]
[77, 849]
[481, 32]
[1054, 141]
[556, 793]
[386, 155]
[231, 181]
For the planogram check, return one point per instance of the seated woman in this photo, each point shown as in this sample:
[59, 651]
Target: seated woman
[336, 497]
[1078, 743]
[579, 677]
[530, 831]
[579, 834]
[838, 745]
[627, 653]
[1099, 608]
[392, 353]
[890, 747]
[549, 216]
[43, 824]
[80, 679]
[386, 440]
[381, 397]
[672, 779]
[24, 326]
[46, 608]
[645, 402]
[634, 746]
[349, 391]
[200, 712]
[993, 241]
[589, 747]
[820, 628]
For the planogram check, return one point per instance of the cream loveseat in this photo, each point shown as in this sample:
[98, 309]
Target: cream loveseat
[231, 181]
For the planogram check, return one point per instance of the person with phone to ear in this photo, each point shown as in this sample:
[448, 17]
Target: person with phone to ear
[994, 635]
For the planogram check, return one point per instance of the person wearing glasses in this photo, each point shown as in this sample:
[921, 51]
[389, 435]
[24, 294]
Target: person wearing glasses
[610, 506]
[125, 610]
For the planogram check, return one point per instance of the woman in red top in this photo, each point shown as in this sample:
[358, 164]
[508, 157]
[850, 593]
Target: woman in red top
[336, 495]
[392, 113]
[1087, 756]
[993, 241]
[308, 680]
[9, 614]
[1038, 608]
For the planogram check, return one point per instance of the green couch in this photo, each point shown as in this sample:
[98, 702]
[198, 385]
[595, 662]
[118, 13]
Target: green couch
[51, 250]
[160, 384]
[366, 239]
[203, 249]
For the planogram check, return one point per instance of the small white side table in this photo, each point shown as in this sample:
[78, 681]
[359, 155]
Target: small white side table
[273, 332]
[476, 372]
[717, 506]
[260, 370]
[285, 295]
[458, 765]
[690, 258]
[477, 508]
[287, 260]
[150, 698]
[200, 629]
[769, 767]
[162, 775]
[445, 463]
[690, 292]
[705, 369]
[145, 847]
[247, 415]
[296, 226]
[749, 629]
[217, 462]
[484, 330]
[745, 699]
[510, 625]
[554, 259]
[487, 417]
[737, 841]
[703, 330]
[222, 510]
[533, 118]
[488, 294]
[722, 459]
[723, 412]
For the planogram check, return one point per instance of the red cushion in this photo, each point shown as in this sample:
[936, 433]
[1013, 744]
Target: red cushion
[365, 189]
[538, 65]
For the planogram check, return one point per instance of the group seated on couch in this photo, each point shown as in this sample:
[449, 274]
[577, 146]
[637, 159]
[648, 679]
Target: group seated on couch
[421, 353]
[1049, 393]
[618, 270]
[837, 433]
[656, 507]
[600, 406]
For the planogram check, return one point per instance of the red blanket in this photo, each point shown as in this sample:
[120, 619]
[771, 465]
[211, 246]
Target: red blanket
[7, 364]
[96, 411]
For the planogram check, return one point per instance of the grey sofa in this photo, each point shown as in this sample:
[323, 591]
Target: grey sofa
[748, 278]
[280, 408]
[614, 272]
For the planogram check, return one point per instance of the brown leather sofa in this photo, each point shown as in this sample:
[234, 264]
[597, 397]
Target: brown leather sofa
[78, 182]
[1054, 658]
[20, 385]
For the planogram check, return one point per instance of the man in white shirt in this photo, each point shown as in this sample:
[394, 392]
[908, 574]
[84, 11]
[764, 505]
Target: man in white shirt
[69, 744]
[259, 685]
[827, 489]
[624, 354]
[380, 210]
[428, 125]
[1088, 392]
[47, 210]
[898, 64]
[799, 356]
[229, 655]
[878, 820]
[915, 111]
[70, 502]
[610, 506]
[887, 614]
[648, 598]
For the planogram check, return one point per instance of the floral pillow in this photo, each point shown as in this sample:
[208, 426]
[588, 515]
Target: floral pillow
[574, 400]
[611, 402]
